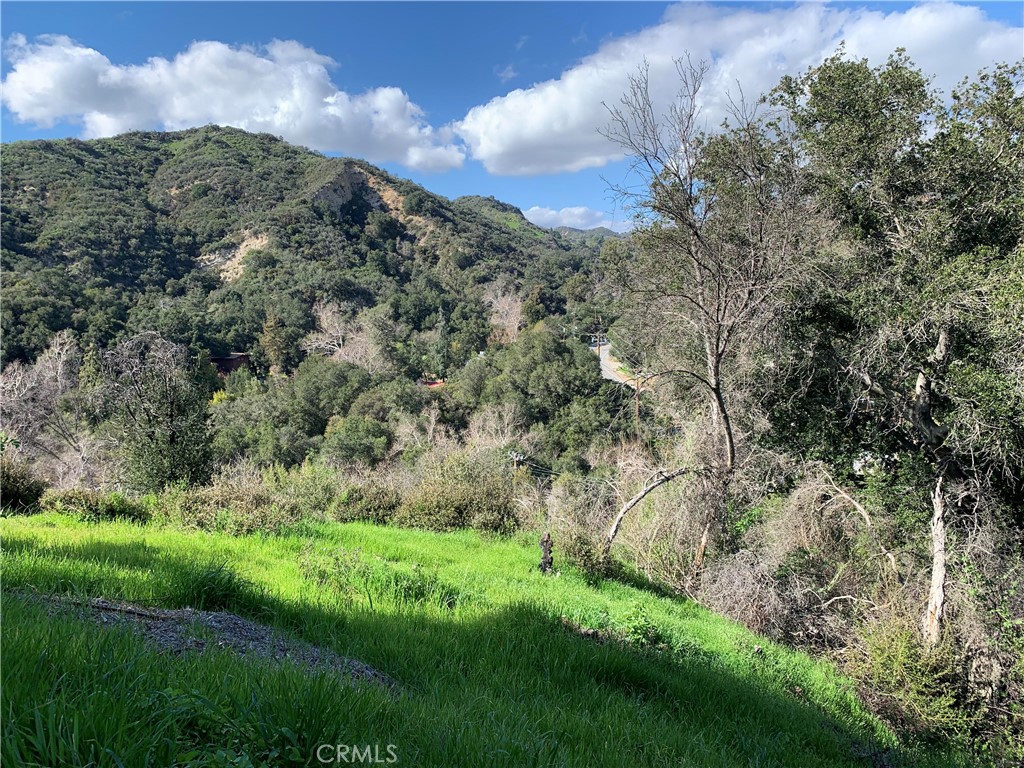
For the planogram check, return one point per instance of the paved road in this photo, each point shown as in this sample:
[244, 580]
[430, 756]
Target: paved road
[611, 368]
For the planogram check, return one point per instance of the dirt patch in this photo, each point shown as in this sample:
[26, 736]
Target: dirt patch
[181, 631]
[228, 261]
[395, 204]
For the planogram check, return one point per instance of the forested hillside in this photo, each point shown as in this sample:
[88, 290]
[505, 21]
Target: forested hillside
[812, 421]
[209, 236]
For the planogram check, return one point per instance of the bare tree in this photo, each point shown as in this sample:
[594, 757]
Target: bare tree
[506, 312]
[729, 234]
[43, 406]
[345, 337]
[496, 426]
[335, 327]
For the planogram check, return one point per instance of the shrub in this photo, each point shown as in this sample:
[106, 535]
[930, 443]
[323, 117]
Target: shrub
[243, 499]
[312, 488]
[495, 512]
[375, 503]
[462, 493]
[230, 508]
[583, 553]
[433, 512]
[20, 489]
[93, 506]
[640, 630]
[920, 690]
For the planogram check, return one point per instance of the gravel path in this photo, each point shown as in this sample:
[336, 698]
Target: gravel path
[178, 631]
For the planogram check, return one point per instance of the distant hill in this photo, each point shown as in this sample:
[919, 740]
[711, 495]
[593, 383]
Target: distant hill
[204, 233]
[583, 234]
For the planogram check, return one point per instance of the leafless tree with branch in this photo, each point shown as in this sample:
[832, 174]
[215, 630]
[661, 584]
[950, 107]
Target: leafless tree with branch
[730, 234]
[44, 407]
[506, 312]
[345, 336]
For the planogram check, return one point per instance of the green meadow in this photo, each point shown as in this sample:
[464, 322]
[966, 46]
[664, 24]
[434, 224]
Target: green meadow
[490, 658]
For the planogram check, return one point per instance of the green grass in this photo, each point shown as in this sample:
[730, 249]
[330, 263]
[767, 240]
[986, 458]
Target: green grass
[468, 627]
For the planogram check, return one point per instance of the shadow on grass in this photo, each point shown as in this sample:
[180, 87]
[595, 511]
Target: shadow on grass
[512, 686]
[624, 574]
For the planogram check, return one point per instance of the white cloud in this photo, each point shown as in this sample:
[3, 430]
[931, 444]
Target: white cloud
[284, 89]
[552, 126]
[578, 217]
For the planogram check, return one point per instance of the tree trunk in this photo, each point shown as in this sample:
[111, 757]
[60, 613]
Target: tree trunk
[932, 625]
[702, 546]
[722, 413]
[719, 410]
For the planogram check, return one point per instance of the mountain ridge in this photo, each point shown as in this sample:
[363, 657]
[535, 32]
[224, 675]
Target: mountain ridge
[91, 228]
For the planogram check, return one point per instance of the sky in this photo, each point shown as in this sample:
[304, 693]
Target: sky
[502, 99]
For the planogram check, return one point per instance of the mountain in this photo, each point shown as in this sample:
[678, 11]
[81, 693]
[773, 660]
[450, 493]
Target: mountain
[204, 233]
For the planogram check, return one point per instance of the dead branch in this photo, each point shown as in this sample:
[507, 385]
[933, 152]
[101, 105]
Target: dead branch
[659, 479]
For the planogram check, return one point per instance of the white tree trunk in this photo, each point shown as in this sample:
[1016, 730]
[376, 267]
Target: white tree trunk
[698, 557]
[932, 625]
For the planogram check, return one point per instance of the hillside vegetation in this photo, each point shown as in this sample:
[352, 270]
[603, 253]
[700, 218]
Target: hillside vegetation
[202, 234]
[329, 400]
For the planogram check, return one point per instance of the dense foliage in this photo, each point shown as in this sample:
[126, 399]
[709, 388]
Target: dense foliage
[345, 284]
[830, 290]
[225, 240]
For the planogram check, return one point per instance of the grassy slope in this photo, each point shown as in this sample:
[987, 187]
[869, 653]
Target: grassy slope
[468, 627]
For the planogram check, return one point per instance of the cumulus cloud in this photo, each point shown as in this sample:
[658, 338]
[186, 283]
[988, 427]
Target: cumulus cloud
[553, 126]
[578, 217]
[283, 88]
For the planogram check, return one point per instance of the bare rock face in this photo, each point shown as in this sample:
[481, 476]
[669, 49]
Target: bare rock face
[349, 182]
[229, 261]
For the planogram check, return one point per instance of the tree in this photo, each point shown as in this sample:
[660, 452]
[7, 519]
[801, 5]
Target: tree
[335, 329]
[31, 395]
[274, 341]
[319, 389]
[357, 439]
[542, 374]
[346, 337]
[929, 198]
[47, 407]
[158, 403]
[729, 236]
[506, 312]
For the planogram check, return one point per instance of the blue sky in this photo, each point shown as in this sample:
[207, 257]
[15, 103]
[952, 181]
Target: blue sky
[500, 99]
